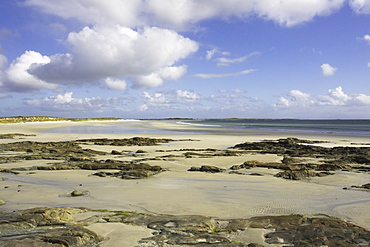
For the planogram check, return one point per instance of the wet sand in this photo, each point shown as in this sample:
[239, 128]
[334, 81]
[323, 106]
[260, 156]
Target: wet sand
[177, 191]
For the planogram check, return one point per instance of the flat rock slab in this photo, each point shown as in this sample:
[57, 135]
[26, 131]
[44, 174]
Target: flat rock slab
[57, 227]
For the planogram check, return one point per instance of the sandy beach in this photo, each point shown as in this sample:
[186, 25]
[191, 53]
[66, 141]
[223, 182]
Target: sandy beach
[176, 191]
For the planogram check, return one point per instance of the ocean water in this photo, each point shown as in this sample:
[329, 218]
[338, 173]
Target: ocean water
[338, 127]
[119, 128]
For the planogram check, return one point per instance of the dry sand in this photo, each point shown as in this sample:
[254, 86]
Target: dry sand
[179, 192]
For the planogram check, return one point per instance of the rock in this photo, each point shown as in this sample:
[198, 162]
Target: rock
[293, 147]
[366, 186]
[362, 187]
[2, 202]
[296, 230]
[12, 135]
[56, 227]
[135, 141]
[115, 152]
[78, 193]
[300, 174]
[211, 169]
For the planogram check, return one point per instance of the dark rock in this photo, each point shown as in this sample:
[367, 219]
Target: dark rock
[300, 174]
[298, 230]
[78, 193]
[115, 152]
[45, 226]
[12, 135]
[211, 169]
[362, 187]
[135, 141]
[293, 147]
[366, 186]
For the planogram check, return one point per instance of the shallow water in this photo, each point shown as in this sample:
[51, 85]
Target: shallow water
[119, 129]
[339, 127]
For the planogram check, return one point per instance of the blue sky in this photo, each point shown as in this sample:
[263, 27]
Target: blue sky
[185, 58]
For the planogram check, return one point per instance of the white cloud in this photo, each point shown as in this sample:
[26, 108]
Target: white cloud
[296, 98]
[147, 81]
[360, 6]
[146, 56]
[292, 12]
[366, 38]
[208, 76]
[299, 96]
[67, 103]
[186, 96]
[115, 84]
[125, 12]
[210, 54]
[181, 14]
[334, 98]
[328, 70]
[18, 77]
[224, 61]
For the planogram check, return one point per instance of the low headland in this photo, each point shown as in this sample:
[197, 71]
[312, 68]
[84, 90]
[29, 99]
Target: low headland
[197, 187]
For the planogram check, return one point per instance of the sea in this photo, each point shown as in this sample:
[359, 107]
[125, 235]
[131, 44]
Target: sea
[358, 127]
[335, 127]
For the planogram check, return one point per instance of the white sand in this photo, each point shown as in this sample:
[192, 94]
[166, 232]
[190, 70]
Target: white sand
[180, 192]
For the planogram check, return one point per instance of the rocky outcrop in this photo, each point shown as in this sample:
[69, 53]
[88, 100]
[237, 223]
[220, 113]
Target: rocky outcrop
[365, 187]
[301, 174]
[211, 169]
[135, 141]
[57, 227]
[13, 135]
[294, 147]
[76, 157]
[45, 227]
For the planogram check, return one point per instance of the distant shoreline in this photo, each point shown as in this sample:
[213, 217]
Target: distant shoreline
[24, 119]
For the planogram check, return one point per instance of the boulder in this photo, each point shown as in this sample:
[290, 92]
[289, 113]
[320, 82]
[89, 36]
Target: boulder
[206, 168]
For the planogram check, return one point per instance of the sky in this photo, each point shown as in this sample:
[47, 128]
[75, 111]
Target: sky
[307, 59]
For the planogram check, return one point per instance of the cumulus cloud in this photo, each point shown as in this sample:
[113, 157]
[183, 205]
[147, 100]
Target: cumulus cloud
[328, 70]
[208, 76]
[291, 12]
[360, 6]
[182, 14]
[67, 103]
[18, 78]
[186, 96]
[334, 98]
[146, 57]
[296, 98]
[116, 84]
